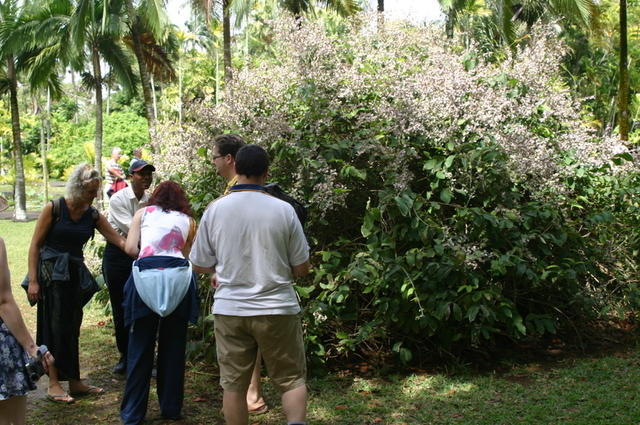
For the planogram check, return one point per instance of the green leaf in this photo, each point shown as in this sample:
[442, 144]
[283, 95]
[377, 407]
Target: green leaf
[446, 196]
[473, 312]
[304, 291]
[405, 203]
[430, 164]
[449, 161]
[517, 323]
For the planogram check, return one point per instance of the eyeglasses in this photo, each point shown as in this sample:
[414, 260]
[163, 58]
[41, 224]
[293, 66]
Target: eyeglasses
[218, 156]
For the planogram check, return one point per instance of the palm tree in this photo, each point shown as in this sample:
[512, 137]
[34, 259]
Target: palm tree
[44, 59]
[10, 41]
[623, 95]
[95, 32]
[507, 20]
[147, 16]
[206, 9]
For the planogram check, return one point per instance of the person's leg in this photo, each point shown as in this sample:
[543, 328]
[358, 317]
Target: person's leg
[172, 342]
[13, 411]
[294, 404]
[255, 401]
[236, 350]
[282, 346]
[116, 268]
[234, 407]
[142, 339]
[55, 389]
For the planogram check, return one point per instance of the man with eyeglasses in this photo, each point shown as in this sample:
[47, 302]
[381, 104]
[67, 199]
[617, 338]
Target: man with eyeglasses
[254, 244]
[225, 147]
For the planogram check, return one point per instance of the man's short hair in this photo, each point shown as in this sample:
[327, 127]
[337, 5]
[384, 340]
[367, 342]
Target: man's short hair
[252, 161]
[228, 144]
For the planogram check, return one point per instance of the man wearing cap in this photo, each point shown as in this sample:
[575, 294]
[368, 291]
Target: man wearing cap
[116, 264]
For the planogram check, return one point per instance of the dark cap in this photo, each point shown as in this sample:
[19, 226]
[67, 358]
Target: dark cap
[138, 165]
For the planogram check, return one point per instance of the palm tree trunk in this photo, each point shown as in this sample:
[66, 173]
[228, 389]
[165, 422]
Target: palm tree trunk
[180, 89]
[44, 140]
[153, 94]
[450, 22]
[217, 98]
[226, 37]
[623, 95]
[97, 74]
[19, 191]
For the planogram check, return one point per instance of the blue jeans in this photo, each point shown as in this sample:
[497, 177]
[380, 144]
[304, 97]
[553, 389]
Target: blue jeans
[172, 339]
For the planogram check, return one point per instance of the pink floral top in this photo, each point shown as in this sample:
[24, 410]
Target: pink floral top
[163, 232]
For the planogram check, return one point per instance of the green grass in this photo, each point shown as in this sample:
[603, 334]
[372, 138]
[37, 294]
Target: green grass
[35, 193]
[582, 391]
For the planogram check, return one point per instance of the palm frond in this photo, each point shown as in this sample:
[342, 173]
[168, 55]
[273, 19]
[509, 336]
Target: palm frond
[343, 8]
[154, 17]
[119, 62]
[80, 21]
[577, 10]
[87, 81]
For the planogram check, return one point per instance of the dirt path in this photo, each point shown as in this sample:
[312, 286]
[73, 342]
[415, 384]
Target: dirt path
[98, 354]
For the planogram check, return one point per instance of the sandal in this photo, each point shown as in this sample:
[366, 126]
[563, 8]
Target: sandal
[91, 390]
[259, 410]
[63, 398]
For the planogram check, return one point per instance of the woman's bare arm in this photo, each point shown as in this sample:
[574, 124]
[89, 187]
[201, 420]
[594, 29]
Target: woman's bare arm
[132, 247]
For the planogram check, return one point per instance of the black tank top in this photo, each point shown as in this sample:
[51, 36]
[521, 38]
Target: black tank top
[67, 235]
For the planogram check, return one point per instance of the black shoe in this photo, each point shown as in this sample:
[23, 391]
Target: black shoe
[120, 368]
[177, 417]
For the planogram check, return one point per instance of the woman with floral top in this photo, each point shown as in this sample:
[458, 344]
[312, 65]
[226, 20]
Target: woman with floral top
[160, 299]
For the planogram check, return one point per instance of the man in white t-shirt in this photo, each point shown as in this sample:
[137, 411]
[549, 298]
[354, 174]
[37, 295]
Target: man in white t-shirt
[116, 264]
[255, 245]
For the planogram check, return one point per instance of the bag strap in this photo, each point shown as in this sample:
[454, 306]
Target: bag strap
[56, 210]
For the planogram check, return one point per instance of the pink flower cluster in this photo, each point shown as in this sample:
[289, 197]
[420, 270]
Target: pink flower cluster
[374, 90]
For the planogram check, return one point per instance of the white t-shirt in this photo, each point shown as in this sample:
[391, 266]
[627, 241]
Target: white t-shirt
[163, 232]
[252, 239]
[122, 207]
[110, 178]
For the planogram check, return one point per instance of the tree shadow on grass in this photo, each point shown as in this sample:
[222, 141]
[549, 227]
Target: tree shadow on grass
[583, 391]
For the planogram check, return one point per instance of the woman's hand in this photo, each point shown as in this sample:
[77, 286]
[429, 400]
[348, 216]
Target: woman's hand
[33, 291]
[47, 361]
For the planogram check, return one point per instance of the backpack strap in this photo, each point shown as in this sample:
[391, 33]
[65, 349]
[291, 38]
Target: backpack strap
[55, 214]
[95, 214]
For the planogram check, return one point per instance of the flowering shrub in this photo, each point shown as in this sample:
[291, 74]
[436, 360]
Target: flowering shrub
[437, 183]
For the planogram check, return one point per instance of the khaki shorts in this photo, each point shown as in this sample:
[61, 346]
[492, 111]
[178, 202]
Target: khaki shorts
[279, 338]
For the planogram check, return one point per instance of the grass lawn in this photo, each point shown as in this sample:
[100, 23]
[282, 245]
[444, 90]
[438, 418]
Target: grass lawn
[585, 391]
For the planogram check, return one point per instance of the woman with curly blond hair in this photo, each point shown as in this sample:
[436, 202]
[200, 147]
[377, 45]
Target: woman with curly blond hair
[60, 282]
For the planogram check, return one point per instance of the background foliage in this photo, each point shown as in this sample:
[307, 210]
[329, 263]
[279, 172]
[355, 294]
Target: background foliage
[452, 199]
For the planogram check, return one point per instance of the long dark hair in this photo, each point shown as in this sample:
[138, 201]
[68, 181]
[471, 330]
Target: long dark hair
[169, 195]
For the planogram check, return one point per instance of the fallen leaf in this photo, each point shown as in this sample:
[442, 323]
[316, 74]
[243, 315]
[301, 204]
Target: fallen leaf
[341, 407]
[199, 399]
